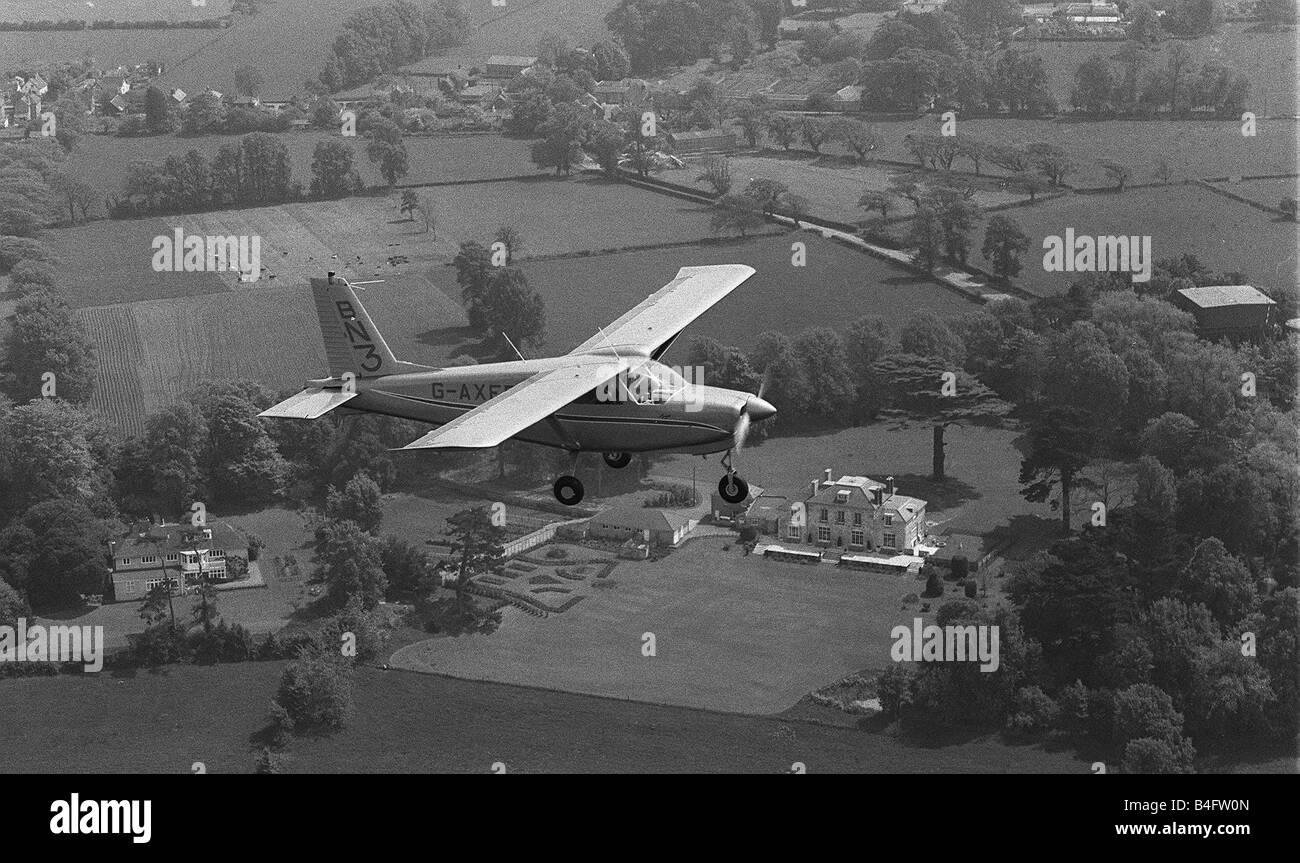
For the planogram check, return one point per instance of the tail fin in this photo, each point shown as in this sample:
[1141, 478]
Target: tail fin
[352, 342]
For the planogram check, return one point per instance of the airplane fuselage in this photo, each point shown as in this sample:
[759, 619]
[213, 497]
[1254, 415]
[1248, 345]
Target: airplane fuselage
[650, 408]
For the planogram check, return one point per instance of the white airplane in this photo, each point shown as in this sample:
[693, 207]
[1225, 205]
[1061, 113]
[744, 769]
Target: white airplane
[609, 395]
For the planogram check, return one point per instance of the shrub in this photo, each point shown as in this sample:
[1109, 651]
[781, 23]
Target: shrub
[960, 567]
[895, 686]
[1034, 712]
[1150, 755]
[1073, 702]
[971, 588]
[315, 693]
[1145, 710]
[933, 584]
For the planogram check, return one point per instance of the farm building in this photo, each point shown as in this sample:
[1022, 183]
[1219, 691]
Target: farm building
[629, 91]
[651, 525]
[1234, 311]
[706, 141]
[848, 98]
[504, 68]
[479, 94]
[1092, 13]
[146, 558]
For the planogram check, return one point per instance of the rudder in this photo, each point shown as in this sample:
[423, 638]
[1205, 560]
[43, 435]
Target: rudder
[352, 341]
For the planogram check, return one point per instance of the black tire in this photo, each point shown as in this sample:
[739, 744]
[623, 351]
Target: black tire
[568, 490]
[618, 460]
[733, 489]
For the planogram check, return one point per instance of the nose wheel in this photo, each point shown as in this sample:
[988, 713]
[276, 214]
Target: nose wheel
[617, 460]
[731, 487]
[568, 490]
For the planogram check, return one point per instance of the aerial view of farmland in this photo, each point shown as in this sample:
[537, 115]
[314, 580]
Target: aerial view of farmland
[649, 386]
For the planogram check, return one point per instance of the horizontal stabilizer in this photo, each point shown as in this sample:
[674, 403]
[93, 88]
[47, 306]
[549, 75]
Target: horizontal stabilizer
[309, 404]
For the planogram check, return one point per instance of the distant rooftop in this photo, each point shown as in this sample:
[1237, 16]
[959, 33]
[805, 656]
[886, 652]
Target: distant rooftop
[1214, 296]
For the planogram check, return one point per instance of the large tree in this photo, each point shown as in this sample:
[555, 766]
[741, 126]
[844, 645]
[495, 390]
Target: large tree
[1061, 442]
[928, 389]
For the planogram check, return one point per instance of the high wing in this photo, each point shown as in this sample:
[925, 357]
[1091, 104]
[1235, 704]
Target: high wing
[669, 310]
[522, 405]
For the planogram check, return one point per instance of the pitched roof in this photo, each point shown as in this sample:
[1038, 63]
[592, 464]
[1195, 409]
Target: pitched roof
[641, 519]
[905, 506]
[507, 60]
[160, 538]
[1226, 295]
[855, 488]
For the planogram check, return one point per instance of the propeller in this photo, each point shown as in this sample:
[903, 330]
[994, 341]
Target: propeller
[754, 408]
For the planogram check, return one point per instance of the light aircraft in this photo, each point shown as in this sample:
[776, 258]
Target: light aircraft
[609, 395]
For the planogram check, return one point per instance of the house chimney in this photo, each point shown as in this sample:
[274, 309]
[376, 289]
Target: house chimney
[814, 487]
[877, 495]
[891, 485]
[828, 476]
[330, 275]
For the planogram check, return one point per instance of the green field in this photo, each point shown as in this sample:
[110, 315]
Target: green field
[1193, 148]
[834, 186]
[1267, 59]
[298, 240]
[149, 353]
[286, 41]
[836, 286]
[1267, 192]
[410, 723]
[1224, 234]
[103, 160]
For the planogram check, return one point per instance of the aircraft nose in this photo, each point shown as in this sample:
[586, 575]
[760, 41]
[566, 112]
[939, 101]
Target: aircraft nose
[759, 409]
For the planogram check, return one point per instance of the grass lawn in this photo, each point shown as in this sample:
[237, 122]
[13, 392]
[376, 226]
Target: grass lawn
[732, 633]
[412, 723]
[1225, 234]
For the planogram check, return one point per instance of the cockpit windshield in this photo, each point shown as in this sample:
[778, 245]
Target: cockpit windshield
[653, 383]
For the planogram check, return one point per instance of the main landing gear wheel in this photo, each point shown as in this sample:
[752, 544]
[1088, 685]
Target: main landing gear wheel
[618, 460]
[733, 489]
[568, 490]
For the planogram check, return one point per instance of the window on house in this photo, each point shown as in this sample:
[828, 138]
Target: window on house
[126, 561]
[793, 531]
[823, 515]
[172, 557]
[823, 533]
[152, 583]
[857, 518]
[889, 520]
[217, 553]
[888, 540]
[855, 537]
[149, 558]
[839, 516]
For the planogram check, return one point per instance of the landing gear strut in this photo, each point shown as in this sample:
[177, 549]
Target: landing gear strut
[618, 460]
[731, 487]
